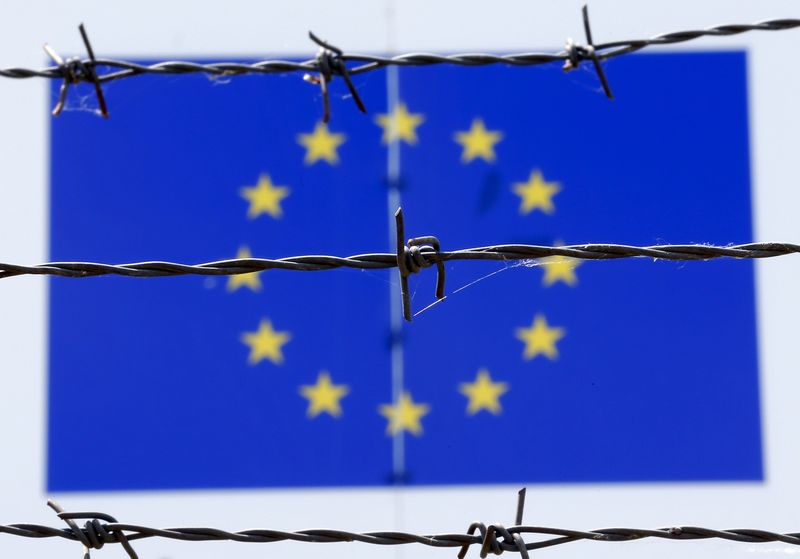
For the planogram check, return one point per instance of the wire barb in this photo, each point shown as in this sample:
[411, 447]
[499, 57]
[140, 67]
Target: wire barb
[577, 53]
[331, 62]
[74, 71]
[512, 540]
[95, 534]
[418, 253]
[520, 506]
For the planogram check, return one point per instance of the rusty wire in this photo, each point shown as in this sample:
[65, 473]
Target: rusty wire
[410, 258]
[101, 529]
[332, 61]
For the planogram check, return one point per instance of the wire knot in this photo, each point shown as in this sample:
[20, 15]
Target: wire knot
[418, 253]
[511, 539]
[414, 255]
[577, 53]
[331, 62]
[490, 542]
[74, 71]
[95, 533]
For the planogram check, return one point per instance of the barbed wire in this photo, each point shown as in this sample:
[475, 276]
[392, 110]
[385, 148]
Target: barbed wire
[332, 61]
[101, 529]
[410, 258]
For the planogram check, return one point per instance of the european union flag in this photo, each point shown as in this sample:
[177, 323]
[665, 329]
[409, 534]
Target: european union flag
[549, 371]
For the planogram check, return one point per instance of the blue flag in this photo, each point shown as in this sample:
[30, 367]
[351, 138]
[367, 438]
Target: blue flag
[553, 370]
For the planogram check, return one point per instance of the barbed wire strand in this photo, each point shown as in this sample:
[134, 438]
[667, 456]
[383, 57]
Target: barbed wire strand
[417, 253]
[331, 61]
[101, 529]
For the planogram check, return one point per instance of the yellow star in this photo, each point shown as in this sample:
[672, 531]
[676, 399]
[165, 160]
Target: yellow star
[264, 198]
[321, 144]
[478, 142]
[324, 396]
[537, 193]
[405, 415]
[251, 280]
[400, 125]
[560, 268]
[265, 343]
[483, 394]
[540, 338]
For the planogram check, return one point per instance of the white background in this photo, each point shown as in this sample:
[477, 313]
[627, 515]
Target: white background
[236, 29]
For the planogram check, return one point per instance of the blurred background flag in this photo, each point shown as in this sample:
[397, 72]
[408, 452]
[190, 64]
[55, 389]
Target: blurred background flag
[254, 380]
[586, 371]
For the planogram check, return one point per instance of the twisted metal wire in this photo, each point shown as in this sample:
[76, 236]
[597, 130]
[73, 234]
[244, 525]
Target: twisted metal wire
[418, 253]
[101, 529]
[124, 69]
[424, 257]
[332, 61]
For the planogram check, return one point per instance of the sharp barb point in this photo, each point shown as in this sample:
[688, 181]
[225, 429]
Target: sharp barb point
[520, 505]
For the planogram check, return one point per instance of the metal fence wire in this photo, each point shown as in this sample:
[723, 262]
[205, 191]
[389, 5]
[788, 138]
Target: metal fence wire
[100, 529]
[331, 61]
[411, 257]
